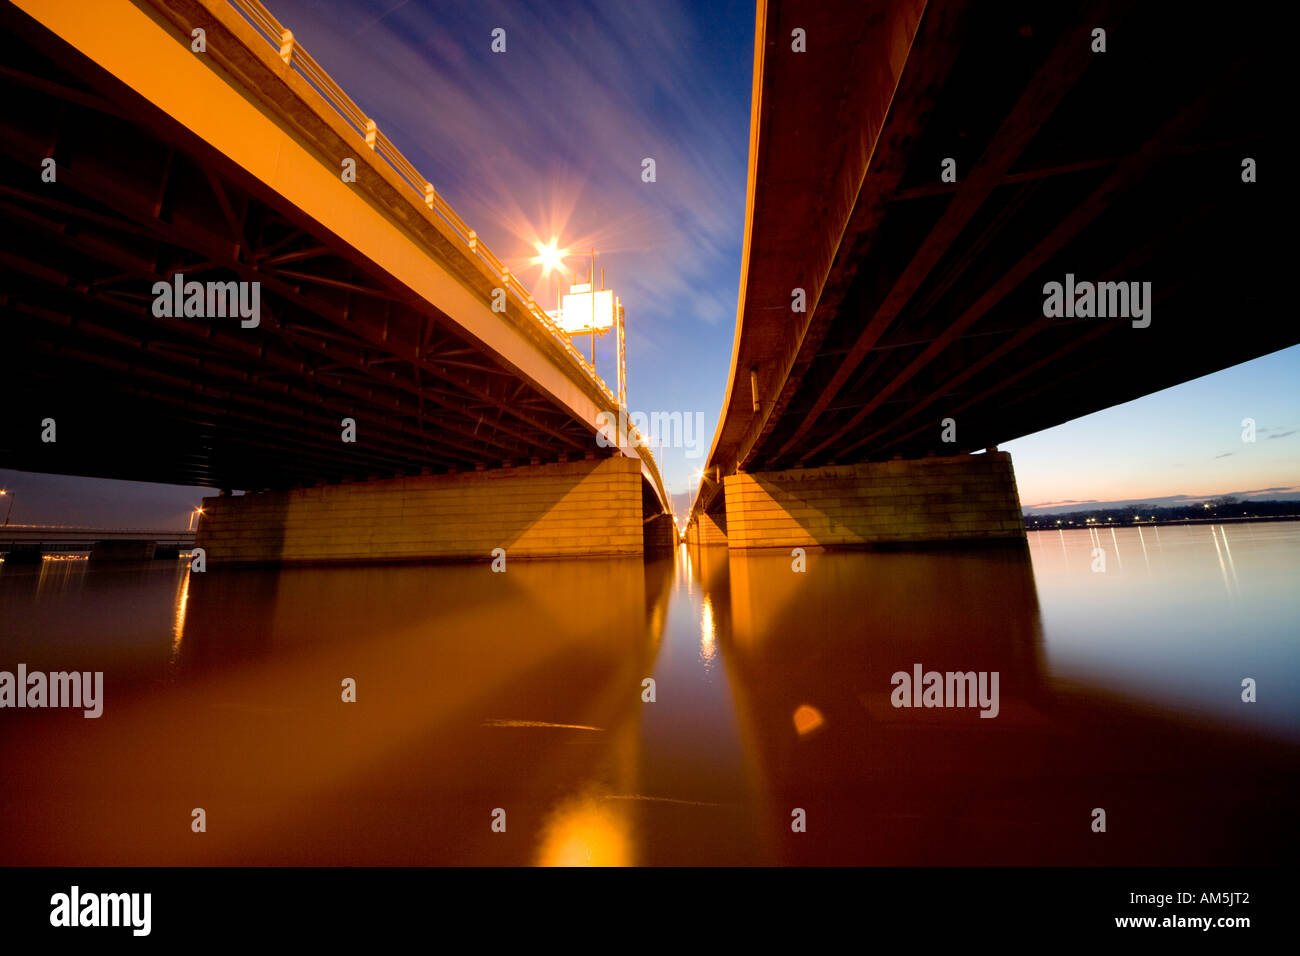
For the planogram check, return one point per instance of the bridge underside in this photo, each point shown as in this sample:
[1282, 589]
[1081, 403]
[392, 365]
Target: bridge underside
[925, 332]
[378, 404]
[209, 402]
[1121, 166]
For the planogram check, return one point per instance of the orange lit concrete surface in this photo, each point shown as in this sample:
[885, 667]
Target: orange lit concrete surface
[659, 534]
[557, 510]
[707, 528]
[962, 498]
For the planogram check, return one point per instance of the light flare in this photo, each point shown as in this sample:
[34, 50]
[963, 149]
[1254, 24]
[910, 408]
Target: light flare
[550, 257]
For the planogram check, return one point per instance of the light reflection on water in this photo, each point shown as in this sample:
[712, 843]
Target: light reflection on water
[1196, 609]
[525, 693]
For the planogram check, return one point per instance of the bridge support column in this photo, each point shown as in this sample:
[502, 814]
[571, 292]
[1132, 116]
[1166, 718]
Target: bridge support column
[569, 509]
[24, 554]
[660, 535]
[706, 529]
[928, 500]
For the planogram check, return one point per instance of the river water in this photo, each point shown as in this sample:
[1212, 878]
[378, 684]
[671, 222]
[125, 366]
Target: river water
[502, 718]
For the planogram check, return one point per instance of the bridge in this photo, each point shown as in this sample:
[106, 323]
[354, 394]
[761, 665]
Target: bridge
[30, 542]
[919, 176]
[388, 390]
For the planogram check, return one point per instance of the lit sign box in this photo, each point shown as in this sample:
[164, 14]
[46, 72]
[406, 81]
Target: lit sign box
[576, 314]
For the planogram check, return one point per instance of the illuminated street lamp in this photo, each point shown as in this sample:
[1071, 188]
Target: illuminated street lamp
[549, 257]
[586, 309]
[4, 493]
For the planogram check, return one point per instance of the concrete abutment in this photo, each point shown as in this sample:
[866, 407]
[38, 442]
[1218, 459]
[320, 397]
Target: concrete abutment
[964, 498]
[567, 509]
[707, 528]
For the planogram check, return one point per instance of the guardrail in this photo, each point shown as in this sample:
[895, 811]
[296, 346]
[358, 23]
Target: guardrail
[16, 531]
[300, 60]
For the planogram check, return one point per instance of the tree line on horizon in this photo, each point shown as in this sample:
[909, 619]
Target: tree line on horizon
[1222, 507]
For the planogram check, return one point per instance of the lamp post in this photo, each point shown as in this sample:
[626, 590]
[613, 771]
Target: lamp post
[8, 511]
[549, 257]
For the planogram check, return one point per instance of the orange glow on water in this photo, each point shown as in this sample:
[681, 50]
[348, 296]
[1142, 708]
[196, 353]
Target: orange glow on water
[708, 635]
[587, 832]
[229, 685]
[807, 718]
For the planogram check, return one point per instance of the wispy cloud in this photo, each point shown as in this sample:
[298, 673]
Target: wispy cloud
[546, 140]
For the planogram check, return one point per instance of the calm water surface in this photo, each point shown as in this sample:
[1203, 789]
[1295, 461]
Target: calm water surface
[523, 692]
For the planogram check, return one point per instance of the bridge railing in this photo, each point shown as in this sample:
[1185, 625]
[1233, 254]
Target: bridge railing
[300, 60]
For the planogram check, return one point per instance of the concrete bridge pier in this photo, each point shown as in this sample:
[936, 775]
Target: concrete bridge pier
[964, 498]
[584, 508]
[659, 534]
[707, 528]
[24, 554]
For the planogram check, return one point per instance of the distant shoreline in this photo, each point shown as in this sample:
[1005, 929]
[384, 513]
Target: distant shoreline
[1050, 523]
